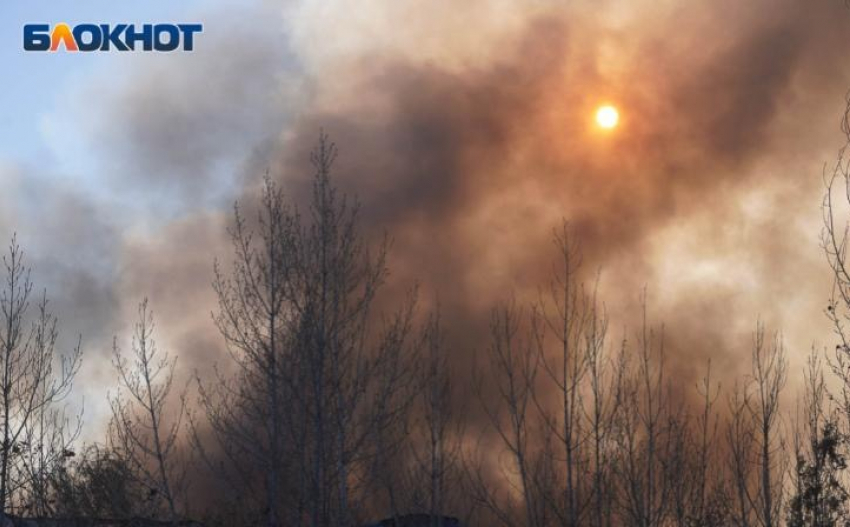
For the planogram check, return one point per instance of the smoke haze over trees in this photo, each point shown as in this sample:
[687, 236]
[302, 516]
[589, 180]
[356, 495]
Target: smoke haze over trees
[478, 307]
[340, 406]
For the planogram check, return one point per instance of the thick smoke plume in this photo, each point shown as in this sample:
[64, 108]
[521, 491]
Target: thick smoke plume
[470, 167]
[468, 138]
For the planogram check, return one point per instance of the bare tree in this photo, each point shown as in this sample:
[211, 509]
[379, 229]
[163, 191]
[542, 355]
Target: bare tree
[141, 428]
[757, 460]
[648, 429]
[703, 508]
[438, 459]
[693, 453]
[820, 496]
[314, 384]
[769, 375]
[394, 390]
[246, 414]
[570, 315]
[835, 236]
[740, 438]
[605, 380]
[834, 240]
[31, 385]
[46, 446]
[513, 366]
[357, 380]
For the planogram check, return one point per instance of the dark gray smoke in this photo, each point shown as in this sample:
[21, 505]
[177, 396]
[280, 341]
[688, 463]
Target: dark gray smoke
[467, 134]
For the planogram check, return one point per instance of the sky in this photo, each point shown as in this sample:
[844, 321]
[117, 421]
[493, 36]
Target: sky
[466, 130]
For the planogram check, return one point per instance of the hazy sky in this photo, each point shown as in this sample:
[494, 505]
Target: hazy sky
[466, 129]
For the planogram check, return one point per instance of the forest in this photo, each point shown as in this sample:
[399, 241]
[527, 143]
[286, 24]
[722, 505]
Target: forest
[339, 408]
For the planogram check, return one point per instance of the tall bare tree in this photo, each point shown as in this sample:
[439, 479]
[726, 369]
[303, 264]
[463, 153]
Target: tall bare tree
[834, 240]
[740, 438]
[769, 374]
[648, 428]
[246, 414]
[571, 316]
[438, 455]
[513, 365]
[357, 379]
[605, 383]
[394, 388]
[34, 378]
[45, 448]
[694, 485]
[146, 418]
[315, 384]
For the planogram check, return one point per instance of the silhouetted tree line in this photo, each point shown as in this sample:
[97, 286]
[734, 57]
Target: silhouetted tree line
[335, 412]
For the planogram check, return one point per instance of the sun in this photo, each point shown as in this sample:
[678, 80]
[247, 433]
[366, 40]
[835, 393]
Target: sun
[607, 116]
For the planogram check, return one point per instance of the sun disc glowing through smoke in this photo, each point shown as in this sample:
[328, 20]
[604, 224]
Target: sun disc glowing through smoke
[607, 116]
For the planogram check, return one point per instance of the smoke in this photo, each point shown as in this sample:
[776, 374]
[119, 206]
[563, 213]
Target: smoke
[470, 166]
[466, 133]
